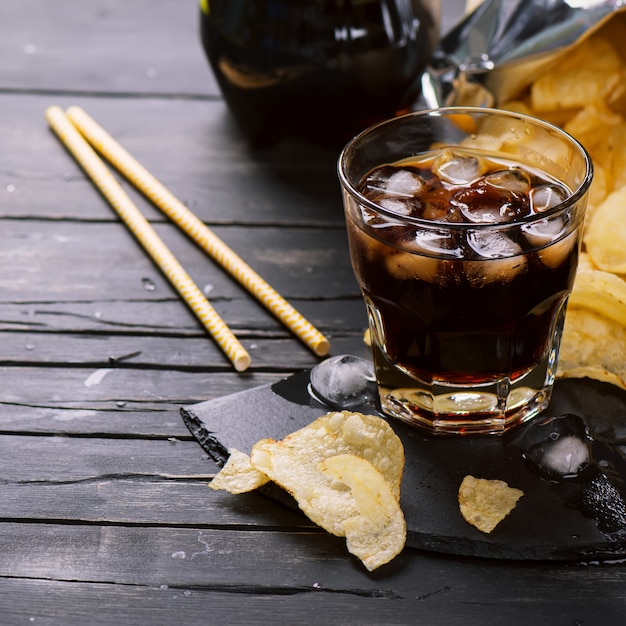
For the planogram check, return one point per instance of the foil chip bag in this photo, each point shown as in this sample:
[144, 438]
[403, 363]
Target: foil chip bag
[497, 50]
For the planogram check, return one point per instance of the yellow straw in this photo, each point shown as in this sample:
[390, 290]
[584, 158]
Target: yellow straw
[198, 231]
[145, 234]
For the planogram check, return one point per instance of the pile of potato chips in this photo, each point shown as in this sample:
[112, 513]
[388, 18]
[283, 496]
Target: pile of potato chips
[344, 470]
[584, 93]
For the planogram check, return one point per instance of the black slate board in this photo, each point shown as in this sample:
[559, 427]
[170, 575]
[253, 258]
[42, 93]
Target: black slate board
[553, 521]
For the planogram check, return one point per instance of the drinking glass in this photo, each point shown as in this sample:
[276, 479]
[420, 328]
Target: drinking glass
[465, 291]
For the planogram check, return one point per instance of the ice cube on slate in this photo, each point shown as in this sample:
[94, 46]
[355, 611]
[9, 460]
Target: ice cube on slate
[343, 381]
[559, 447]
[566, 456]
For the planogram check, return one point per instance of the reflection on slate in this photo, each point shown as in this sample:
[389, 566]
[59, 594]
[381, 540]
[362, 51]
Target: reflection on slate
[570, 463]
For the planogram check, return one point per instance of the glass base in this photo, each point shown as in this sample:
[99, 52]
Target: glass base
[489, 408]
[461, 409]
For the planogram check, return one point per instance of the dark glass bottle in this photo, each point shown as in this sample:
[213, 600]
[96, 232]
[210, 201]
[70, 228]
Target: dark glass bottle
[322, 68]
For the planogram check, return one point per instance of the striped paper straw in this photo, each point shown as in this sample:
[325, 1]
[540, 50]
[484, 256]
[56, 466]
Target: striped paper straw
[198, 231]
[147, 237]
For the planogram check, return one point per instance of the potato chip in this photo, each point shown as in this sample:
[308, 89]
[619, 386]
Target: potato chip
[593, 345]
[602, 292]
[377, 533]
[344, 470]
[367, 337]
[605, 235]
[617, 141]
[591, 124]
[601, 132]
[585, 264]
[517, 106]
[485, 503]
[598, 191]
[593, 371]
[238, 475]
[584, 92]
[367, 436]
[592, 71]
[495, 134]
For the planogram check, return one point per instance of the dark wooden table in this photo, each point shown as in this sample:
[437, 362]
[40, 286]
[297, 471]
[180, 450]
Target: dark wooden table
[105, 514]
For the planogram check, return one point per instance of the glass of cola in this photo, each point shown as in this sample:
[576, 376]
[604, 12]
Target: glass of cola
[465, 227]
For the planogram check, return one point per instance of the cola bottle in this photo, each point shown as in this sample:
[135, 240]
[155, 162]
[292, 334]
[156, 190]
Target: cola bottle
[322, 68]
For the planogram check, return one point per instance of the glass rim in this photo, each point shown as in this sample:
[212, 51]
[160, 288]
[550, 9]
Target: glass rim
[570, 201]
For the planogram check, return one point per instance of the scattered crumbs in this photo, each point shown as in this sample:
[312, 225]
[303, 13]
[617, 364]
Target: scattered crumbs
[148, 284]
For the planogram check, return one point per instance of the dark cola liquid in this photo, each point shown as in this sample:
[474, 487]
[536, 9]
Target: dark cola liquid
[321, 68]
[464, 308]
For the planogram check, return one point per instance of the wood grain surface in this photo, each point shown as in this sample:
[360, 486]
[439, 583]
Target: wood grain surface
[105, 516]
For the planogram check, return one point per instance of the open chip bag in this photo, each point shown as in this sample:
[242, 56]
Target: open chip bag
[563, 62]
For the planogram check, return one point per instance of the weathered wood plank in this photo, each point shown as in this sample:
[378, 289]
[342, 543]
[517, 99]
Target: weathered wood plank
[113, 46]
[120, 402]
[195, 151]
[87, 261]
[71, 603]
[307, 566]
[50, 460]
[190, 353]
[113, 523]
[172, 317]
[108, 401]
[78, 388]
[148, 501]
